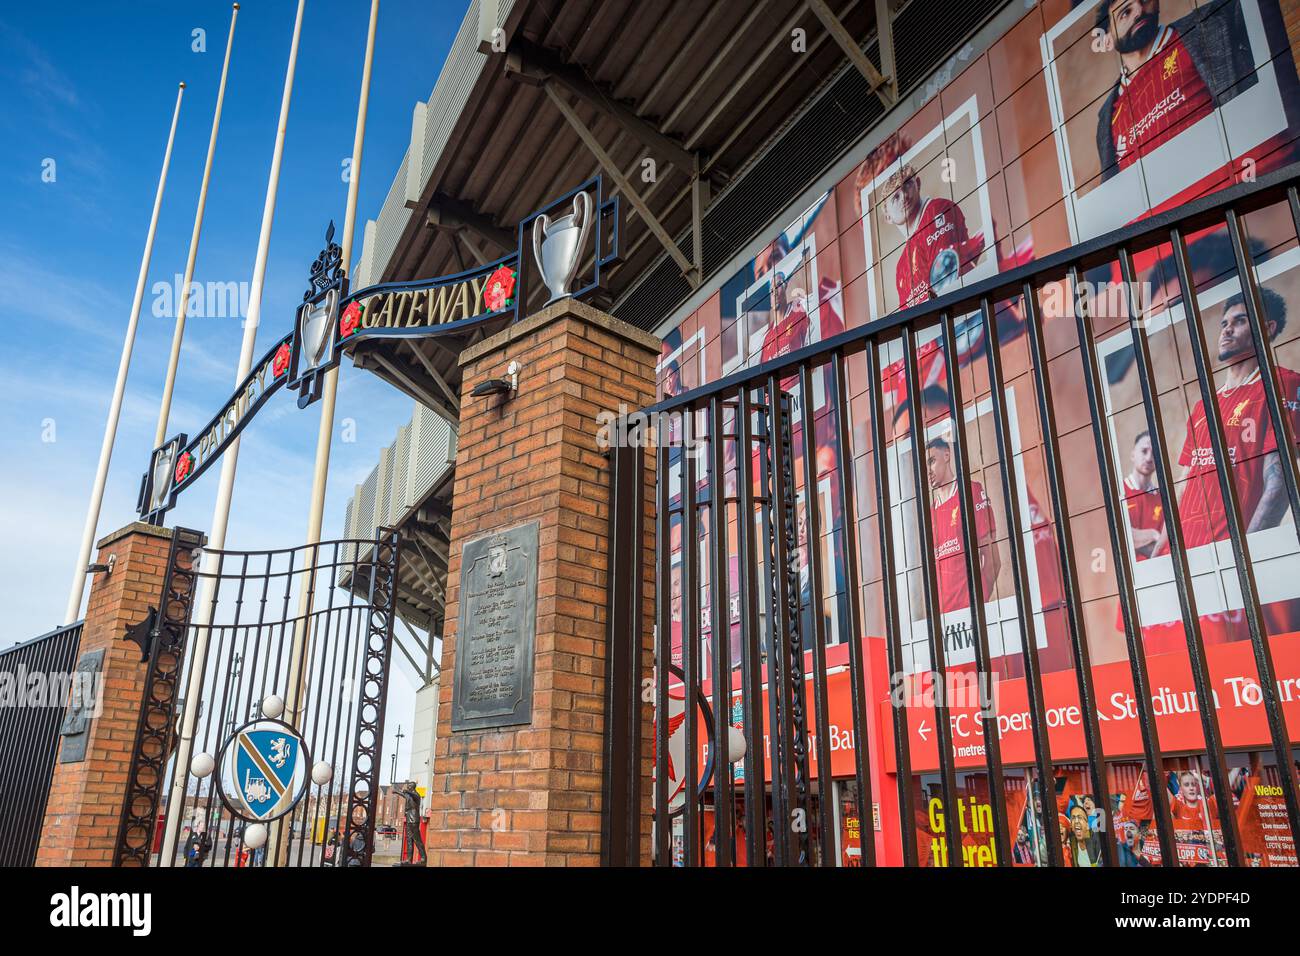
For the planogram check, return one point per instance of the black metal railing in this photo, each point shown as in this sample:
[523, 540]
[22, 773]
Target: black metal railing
[29, 735]
[738, 509]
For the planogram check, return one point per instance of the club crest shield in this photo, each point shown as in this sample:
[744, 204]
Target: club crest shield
[263, 770]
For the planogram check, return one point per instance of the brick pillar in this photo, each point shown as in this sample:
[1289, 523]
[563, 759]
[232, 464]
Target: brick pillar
[81, 817]
[530, 794]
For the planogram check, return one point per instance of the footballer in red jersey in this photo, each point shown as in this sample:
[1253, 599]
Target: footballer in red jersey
[949, 546]
[1146, 515]
[1248, 430]
[1056, 653]
[1171, 75]
[938, 247]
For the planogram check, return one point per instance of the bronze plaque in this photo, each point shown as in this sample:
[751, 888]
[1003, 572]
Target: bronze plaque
[84, 704]
[497, 631]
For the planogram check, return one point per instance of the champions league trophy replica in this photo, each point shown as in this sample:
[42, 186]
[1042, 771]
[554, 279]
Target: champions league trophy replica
[558, 245]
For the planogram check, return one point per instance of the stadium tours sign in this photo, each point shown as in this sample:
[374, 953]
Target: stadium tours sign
[332, 320]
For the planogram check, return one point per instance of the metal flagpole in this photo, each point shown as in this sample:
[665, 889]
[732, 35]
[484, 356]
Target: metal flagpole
[295, 701]
[164, 410]
[119, 389]
[221, 515]
[329, 394]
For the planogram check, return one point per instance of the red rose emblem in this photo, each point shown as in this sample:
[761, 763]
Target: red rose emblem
[499, 289]
[183, 467]
[281, 361]
[350, 319]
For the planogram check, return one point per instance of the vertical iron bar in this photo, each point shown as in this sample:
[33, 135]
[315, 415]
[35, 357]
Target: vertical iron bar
[821, 702]
[856, 635]
[779, 755]
[889, 596]
[975, 587]
[752, 676]
[789, 646]
[1069, 572]
[1024, 605]
[933, 618]
[720, 619]
[620, 815]
[690, 637]
[1124, 578]
[663, 646]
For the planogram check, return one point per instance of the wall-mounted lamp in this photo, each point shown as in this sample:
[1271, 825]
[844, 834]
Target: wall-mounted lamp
[104, 568]
[499, 386]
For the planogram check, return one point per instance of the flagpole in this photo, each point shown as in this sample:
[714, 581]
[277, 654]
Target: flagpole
[164, 409]
[301, 647]
[119, 389]
[329, 395]
[221, 515]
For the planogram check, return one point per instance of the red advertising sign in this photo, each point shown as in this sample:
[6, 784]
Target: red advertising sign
[1232, 673]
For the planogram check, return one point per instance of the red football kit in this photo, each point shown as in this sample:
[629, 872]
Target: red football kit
[786, 335]
[942, 227]
[1144, 511]
[1158, 100]
[1250, 436]
[949, 547]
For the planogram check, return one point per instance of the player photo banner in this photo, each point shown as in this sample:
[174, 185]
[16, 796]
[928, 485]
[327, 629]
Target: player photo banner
[1192, 97]
[1249, 432]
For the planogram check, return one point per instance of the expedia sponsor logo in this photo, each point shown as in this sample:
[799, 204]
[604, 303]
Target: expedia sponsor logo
[938, 230]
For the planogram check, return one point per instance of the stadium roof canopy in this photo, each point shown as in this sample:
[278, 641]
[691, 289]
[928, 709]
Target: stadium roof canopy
[707, 119]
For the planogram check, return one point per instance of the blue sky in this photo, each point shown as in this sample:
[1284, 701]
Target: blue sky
[91, 86]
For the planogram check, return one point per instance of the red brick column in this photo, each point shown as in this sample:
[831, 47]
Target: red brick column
[530, 795]
[81, 817]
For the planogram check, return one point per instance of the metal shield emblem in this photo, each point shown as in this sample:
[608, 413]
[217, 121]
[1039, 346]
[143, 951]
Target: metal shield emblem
[263, 770]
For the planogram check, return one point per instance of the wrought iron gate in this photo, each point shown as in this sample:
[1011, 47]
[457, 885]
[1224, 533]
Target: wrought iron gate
[821, 568]
[250, 621]
[29, 738]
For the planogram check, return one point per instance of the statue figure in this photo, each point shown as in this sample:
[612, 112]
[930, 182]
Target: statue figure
[412, 839]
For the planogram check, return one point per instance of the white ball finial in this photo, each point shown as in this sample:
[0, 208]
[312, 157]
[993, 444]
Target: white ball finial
[255, 835]
[736, 745]
[322, 773]
[273, 706]
[202, 764]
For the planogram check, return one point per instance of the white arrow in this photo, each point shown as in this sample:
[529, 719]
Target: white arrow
[922, 730]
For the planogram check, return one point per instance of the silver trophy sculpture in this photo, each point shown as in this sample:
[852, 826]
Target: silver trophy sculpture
[557, 254]
[317, 322]
[162, 474]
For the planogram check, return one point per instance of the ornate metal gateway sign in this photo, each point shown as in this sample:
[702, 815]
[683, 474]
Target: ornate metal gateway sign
[332, 320]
